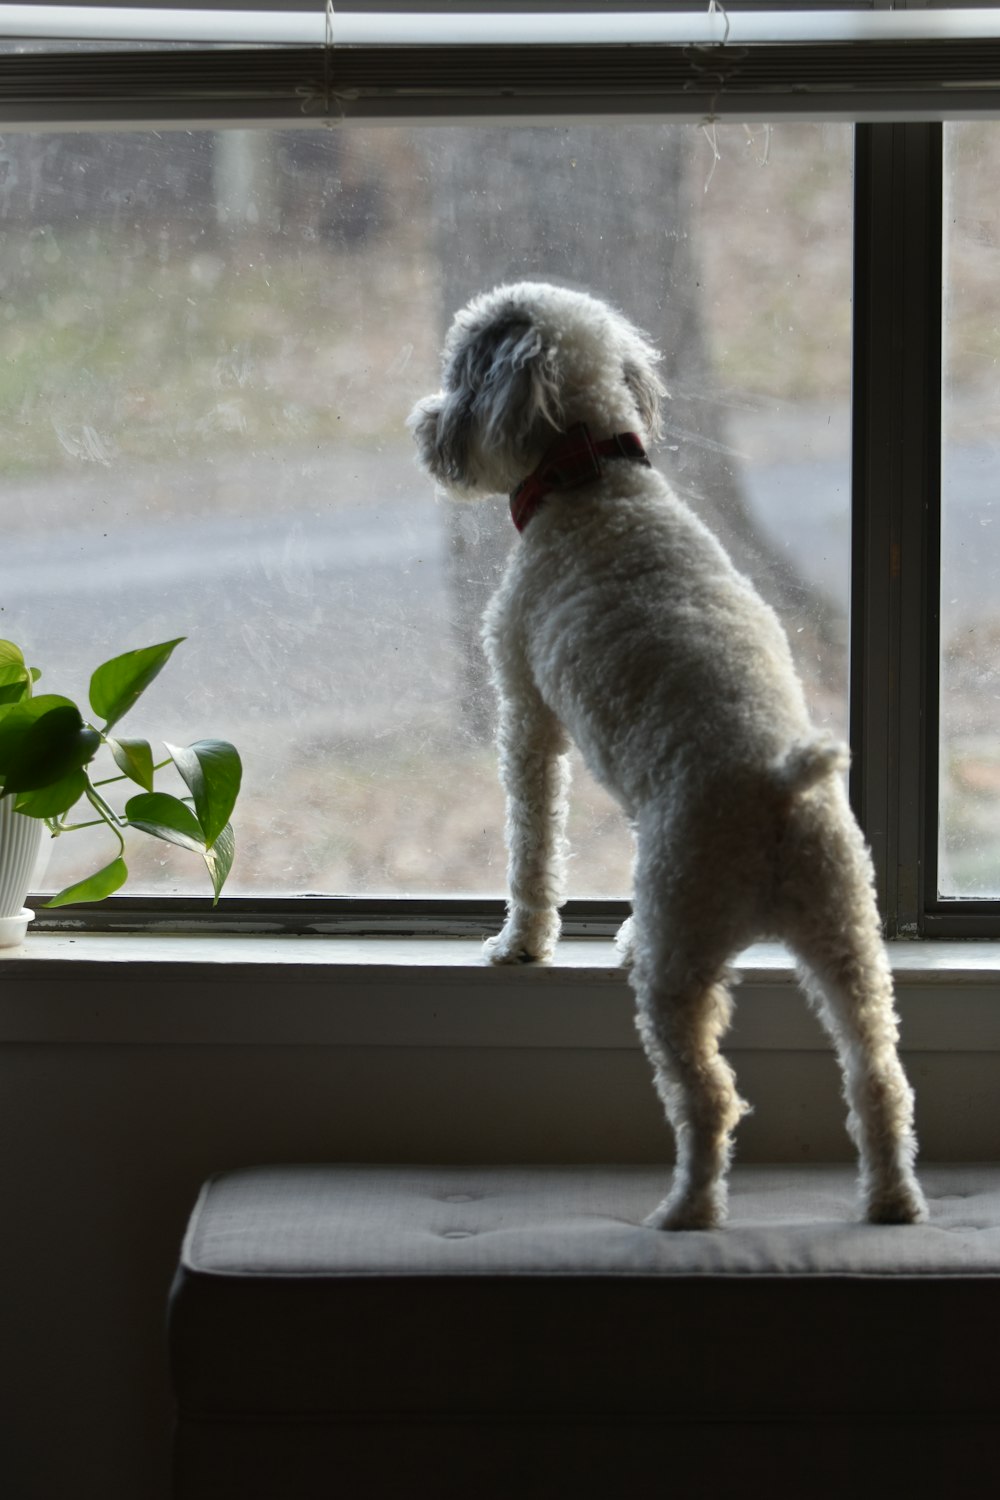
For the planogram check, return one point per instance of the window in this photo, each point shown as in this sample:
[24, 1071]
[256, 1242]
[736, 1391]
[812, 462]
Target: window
[212, 342]
[211, 339]
[969, 835]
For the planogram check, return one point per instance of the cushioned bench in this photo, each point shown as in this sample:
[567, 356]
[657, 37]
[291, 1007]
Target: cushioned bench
[511, 1332]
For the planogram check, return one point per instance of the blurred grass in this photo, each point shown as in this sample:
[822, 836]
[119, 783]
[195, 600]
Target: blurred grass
[377, 819]
[167, 337]
[152, 355]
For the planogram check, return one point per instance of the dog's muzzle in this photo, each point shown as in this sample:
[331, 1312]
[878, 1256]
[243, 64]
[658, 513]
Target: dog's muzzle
[574, 459]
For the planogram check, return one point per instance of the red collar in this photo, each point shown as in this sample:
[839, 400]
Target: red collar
[573, 460]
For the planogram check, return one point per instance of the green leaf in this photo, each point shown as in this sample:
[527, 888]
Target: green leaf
[52, 801]
[11, 655]
[219, 859]
[15, 681]
[135, 758]
[117, 684]
[95, 887]
[42, 740]
[167, 818]
[14, 690]
[15, 676]
[213, 771]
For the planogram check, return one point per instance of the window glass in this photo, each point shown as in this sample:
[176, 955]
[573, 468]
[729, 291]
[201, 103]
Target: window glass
[210, 344]
[969, 823]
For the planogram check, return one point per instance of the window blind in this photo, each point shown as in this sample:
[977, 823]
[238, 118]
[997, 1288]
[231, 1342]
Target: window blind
[78, 65]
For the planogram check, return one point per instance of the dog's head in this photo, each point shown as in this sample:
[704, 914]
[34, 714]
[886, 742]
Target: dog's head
[521, 364]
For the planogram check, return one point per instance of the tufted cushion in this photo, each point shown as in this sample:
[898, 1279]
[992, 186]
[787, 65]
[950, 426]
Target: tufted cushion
[335, 1221]
[317, 1290]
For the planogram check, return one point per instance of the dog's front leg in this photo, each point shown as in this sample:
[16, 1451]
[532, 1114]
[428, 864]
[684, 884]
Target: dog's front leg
[534, 770]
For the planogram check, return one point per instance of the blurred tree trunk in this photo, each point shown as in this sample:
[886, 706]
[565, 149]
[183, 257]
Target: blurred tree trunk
[604, 208]
[244, 178]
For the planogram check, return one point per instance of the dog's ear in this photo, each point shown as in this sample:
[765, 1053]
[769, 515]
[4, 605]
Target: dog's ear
[500, 399]
[501, 394]
[645, 386]
[518, 387]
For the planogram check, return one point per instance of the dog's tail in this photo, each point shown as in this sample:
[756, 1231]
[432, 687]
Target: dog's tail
[809, 762]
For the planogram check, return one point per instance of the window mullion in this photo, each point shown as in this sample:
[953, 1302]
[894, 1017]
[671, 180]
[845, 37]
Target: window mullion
[896, 501]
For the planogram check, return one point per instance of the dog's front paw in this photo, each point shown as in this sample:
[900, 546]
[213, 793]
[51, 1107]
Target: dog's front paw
[625, 943]
[527, 937]
[502, 950]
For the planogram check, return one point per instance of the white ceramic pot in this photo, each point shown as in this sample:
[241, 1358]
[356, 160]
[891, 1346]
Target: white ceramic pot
[20, 841]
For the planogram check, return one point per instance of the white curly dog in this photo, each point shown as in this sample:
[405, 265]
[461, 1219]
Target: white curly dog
[621, 622]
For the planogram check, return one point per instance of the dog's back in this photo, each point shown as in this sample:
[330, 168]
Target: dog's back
[645, 641]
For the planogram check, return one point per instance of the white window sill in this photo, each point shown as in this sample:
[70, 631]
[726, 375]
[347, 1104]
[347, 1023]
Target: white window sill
[433, 992]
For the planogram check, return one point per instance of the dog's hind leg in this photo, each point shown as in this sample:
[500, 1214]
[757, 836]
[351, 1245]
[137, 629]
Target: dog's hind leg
[848, 980]
[683, 1005]
[534, 770]
[832, 926]
[682, 1013]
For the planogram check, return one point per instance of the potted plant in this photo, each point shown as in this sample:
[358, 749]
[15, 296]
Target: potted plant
[47, 750]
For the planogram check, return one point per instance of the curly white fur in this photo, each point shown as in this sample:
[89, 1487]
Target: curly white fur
[621, 622]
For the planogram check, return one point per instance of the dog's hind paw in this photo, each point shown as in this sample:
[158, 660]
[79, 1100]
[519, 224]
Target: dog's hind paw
[705, 1210]
[903, 1203]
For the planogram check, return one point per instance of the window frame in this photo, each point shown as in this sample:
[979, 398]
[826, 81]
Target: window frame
[896, 512]
[897, 392]
[896, 523]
